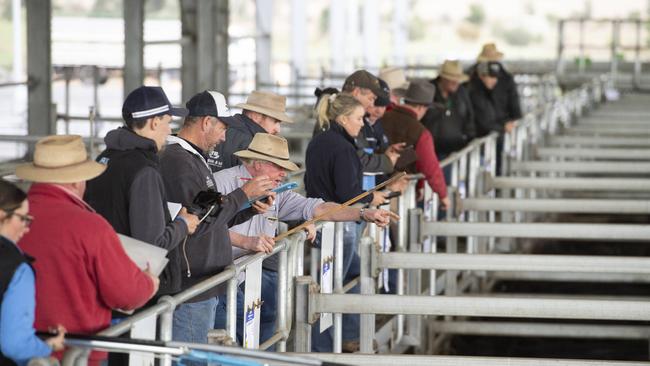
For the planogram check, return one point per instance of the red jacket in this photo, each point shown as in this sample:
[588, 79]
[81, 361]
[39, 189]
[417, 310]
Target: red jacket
[82, 269]
[401, 125]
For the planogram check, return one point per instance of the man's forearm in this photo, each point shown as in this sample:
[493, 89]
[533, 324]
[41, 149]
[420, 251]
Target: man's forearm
[237, 239]
[344, 214]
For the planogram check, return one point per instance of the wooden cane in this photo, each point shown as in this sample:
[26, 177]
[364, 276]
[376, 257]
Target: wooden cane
[341, 206]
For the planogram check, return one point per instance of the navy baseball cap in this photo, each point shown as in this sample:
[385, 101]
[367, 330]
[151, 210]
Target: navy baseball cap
[383, 98]
[147, 102]
[209, 103]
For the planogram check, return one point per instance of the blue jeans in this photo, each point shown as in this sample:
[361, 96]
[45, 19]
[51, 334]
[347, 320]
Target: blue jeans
[323, 342]
[268, 312]
[192, 322]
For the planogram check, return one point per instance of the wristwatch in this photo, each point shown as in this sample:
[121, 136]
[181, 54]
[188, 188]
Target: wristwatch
[361, 214]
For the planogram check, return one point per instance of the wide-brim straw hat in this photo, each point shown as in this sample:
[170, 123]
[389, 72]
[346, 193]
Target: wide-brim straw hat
[60, 159]
[452, 70]
[269, 148]
[266, 103]
[396, 80]
[489, 53]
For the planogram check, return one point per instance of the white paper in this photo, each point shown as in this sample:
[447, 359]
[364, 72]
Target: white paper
[326, 268]
[252, 305]
[143, 254]
[174, 208]
[143, 329]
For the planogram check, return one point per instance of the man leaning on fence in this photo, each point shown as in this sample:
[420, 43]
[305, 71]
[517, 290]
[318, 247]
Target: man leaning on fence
[208, 251]
[268, 155]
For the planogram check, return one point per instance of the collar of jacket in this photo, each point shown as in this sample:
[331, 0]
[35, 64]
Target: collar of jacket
[405, 110]
[59, 193]
[250, 125]
[175, 140]
[336, 128]
[124, 138]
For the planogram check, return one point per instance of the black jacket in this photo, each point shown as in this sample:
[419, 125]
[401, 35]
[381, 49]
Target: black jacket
[239, 135]
[505, 95]
[131, 195]
[334, 171]
[450, 121]
[208, 251]
[372, 143]
[485, 110]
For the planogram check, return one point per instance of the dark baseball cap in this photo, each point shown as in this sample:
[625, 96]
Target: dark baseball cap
[147, 102]
[362, 79]
[209, 103]
[383, 98]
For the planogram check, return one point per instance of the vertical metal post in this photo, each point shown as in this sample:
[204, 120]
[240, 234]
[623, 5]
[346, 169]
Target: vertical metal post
[231, 308]
[67, 73]
[189, 60]
[370, 34]
[302, 336]
[281, 320]
[222, 83]
[206, 42]
[559, 67]
[367, 331]
[582, 62]
[165, 327]
[616, 25]
[91, 117]
[39, 67]
[263, 18]
[133, 75]
[414, 276]
[314, 264]
[338, 284]
[637, 56]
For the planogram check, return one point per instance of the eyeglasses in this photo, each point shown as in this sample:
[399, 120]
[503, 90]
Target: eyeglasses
[26, 219]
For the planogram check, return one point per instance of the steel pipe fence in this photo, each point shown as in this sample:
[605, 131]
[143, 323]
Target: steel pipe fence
[570, 184]
[565, 140]
[602, 206]
[594, 153]
[616, 167]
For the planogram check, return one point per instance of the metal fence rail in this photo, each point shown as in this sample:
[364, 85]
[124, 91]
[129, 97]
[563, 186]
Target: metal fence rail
[604, 206]
[540, 230]
[581, 167]
[600, 141]
[570, 184]
[593, 153]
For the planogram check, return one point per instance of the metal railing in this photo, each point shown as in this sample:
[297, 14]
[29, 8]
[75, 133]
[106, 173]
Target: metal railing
[468, 170]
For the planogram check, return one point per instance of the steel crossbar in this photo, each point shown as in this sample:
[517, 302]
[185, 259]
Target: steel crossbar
[581, 167]
[594, 153]
[571, 184]
[617, 232]
[605, 206]
[599, 141]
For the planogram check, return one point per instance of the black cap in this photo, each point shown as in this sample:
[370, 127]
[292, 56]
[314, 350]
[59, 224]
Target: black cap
[147, 102]
[383, 98]
[208, 103]
[362, 79]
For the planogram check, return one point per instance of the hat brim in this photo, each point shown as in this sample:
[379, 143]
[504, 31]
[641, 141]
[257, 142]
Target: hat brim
[81, 172]
[498, 56]
[281, 116]
[286, 164]
[399, 92]
[458, 78]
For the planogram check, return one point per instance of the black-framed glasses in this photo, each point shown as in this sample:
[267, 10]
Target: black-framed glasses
[26, 219]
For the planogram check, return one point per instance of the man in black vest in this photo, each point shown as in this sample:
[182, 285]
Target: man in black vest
[130, 195]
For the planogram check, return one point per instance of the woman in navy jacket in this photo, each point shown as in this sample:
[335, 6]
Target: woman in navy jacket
[18, 341]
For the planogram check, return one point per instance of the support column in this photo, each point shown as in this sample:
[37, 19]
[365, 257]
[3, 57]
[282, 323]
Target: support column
[559, 68]
[40, 118]
[298, 39]
[133, 45]
[400, 32]
[189, 54]
[222, 82]
[370, 35]
[263, 17]
[338, 51]
[205, 42]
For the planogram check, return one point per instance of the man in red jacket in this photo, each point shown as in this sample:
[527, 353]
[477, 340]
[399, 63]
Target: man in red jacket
[83, 271]
[402, 124]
